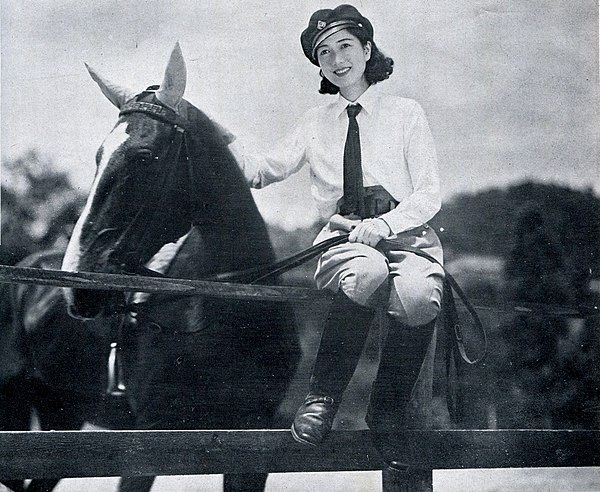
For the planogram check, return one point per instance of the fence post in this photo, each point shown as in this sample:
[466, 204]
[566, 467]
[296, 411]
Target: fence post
[398, 477]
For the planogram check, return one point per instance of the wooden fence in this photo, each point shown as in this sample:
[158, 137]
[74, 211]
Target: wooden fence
[409, 467]
[230, 290]
[137, 453]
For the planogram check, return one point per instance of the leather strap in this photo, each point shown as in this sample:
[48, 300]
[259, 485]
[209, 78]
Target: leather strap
[154, 110]
[263, 272]
[449, 311]
[352, 186]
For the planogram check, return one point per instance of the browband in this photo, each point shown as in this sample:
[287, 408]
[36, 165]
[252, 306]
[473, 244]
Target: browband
[154, 110]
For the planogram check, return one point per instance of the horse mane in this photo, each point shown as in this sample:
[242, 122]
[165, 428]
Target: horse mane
[203, 133]
[224, 198]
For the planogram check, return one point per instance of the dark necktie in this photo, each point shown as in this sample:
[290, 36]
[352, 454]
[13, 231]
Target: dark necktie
[353, 199]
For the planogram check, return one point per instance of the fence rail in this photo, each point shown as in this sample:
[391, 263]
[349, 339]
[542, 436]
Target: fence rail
[136, 453]
[239, 291]
[157, 285]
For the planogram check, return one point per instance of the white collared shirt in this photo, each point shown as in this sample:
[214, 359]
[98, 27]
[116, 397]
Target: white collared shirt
[397, 150]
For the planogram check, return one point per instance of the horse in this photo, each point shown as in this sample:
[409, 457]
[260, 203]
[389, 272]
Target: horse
[168, 198]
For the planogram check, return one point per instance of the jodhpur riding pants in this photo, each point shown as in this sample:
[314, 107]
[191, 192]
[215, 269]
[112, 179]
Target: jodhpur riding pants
[412, 284]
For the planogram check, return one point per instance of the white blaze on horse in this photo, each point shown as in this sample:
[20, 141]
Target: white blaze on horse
[170, 93]
[167, 196]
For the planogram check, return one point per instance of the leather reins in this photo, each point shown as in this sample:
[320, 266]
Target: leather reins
[264, 272]
[451, 287]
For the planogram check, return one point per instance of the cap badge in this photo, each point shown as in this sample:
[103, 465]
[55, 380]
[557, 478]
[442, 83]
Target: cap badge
[321, 25]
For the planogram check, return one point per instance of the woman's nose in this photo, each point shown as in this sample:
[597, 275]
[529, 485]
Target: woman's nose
[338, 58]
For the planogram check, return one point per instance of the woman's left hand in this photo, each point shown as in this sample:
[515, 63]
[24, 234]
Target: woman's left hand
[370, 232]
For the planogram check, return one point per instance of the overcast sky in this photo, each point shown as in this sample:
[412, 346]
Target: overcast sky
[510, 87]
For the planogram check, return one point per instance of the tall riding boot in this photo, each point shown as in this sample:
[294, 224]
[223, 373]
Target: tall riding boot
[344, 336]
[401, 396]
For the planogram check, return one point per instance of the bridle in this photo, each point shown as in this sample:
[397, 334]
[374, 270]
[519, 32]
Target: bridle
[177, 143]
[128, 309]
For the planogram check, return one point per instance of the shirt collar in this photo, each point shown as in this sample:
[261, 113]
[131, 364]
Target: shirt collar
[367, 100]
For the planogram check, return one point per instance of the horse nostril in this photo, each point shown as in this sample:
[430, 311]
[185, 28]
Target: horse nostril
[86, 304]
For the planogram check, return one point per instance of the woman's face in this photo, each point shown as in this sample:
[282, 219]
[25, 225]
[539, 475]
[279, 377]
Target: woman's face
[343, 59]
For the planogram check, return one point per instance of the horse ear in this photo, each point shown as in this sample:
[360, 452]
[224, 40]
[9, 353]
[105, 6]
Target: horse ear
[116, 94]
[173, 85]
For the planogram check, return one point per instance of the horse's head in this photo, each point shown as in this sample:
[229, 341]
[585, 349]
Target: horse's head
[142, 196]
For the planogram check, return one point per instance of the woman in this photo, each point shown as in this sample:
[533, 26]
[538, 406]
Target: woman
[374, 174]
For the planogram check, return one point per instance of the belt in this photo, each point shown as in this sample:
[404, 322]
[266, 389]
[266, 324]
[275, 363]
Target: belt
[377, 201]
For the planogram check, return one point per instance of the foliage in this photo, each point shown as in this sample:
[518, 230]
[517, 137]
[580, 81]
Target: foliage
[484, 223]
[546, 359]
[39, 207]
[541, 371]
[542, 366]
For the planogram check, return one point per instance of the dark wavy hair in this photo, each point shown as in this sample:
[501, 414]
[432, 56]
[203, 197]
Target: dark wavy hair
[379, 67]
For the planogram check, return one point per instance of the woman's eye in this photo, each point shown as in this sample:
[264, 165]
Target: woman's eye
[323, 52]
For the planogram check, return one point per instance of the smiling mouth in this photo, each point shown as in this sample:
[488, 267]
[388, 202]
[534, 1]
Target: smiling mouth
[342, 71]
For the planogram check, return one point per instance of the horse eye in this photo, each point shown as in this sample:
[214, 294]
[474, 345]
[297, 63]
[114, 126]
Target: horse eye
[143, 157]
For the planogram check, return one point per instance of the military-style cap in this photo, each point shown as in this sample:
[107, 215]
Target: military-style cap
[324, 23]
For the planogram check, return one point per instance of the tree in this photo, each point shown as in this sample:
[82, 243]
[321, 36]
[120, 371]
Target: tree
[484, 223]
[39, 207]
[546, 370]
[543, 370]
